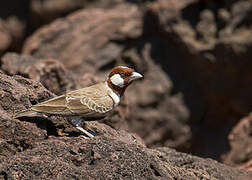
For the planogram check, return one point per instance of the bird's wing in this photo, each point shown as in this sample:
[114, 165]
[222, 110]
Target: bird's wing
[90, 101]
[55, 105]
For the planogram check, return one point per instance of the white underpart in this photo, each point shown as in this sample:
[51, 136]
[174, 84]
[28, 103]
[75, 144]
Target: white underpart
[117, 80]
[115, 98]
[113, 95]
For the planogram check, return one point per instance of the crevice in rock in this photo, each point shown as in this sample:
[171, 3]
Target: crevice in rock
[3, 175]
[191, 13]
[154, 170]
[42, 123]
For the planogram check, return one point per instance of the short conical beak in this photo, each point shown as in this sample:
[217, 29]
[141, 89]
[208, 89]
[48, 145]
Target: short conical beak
[135, 75]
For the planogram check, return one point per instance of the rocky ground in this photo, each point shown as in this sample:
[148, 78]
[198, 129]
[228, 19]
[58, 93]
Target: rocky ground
[195, 97]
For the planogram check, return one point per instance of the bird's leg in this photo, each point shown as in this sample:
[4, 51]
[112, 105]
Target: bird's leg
[76, 121]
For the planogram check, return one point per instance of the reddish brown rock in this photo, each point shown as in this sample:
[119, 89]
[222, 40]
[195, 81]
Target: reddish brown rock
[207, 55]
[105, 157]
[17, 30]
[46, 11]
[21, 18]
[240, 139]
[83, 44]
[5, 37]
[51, 73]
[16, 94]
[17, 136]
[14, 16]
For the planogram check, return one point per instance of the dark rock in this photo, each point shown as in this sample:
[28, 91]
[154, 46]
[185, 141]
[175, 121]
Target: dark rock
[81, 43]
[85, 45]
[240, 139]
[106, 158]
[5, 37]
[14, 15]
[51, 73]
[207, 55]
[43, 12]
[17, 136]
[16, 94]
[22, 17]
[17, 30]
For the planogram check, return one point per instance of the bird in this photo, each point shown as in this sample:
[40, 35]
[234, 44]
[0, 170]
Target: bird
[89, 103]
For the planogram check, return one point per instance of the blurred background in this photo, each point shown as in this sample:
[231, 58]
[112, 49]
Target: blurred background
[196, 56]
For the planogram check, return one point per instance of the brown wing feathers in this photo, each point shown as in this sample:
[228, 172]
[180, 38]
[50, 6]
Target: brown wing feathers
[53, 106]
[87, 102]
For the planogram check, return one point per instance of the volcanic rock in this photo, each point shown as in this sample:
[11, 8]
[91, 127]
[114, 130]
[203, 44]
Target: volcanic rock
[106, 158]
[82, 43]
[43, 12]
[207, 47]
[5, 37]
[51, 73]
[240, 154]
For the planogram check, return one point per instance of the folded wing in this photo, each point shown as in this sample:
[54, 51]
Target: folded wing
[91, 101]
[55, 105]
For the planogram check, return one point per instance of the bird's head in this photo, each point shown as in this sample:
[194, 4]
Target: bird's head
[121, 77]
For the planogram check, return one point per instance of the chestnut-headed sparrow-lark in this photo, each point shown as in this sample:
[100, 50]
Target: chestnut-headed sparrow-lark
[93, 102]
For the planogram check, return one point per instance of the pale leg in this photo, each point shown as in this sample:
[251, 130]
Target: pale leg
[76, 121]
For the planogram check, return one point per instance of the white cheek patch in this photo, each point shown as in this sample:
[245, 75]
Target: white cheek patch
[117, 80]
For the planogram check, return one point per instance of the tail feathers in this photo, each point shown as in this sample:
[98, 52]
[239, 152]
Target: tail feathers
[27, 112]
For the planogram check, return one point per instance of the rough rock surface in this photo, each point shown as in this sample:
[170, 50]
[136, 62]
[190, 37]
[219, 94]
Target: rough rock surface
[16, 29]
[19, 18]
[211, 44]
[76, 39]
[46, 11]
[85, 45]
[106, 158]
[13, 19]
[240, 154]
[51, 73]
[5, 37]
[17, 93]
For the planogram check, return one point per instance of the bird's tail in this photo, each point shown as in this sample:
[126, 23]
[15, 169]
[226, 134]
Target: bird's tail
[27, 112]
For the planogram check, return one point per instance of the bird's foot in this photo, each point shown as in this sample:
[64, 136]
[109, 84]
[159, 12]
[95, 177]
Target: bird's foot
[89, 134]
[76, 121]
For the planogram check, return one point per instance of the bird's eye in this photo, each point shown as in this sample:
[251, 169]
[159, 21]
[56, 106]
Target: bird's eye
[122, 75]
